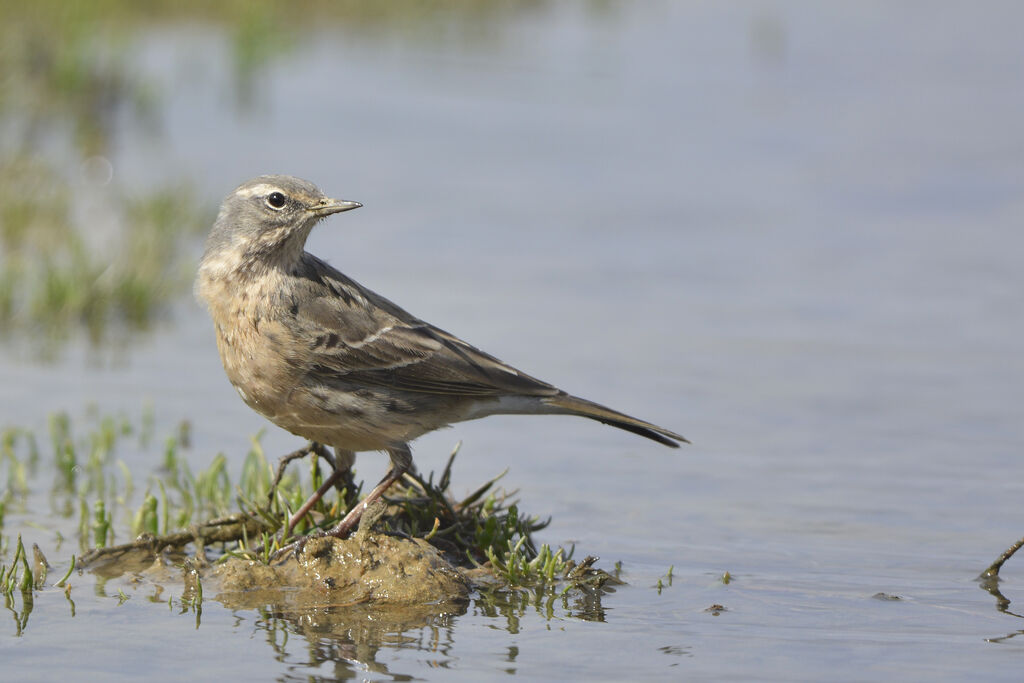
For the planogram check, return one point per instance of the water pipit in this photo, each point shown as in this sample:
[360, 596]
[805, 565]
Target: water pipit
[327, 359]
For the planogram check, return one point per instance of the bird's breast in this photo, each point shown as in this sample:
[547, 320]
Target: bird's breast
[255, 347]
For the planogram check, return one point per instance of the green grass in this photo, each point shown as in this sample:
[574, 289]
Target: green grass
[96, 492]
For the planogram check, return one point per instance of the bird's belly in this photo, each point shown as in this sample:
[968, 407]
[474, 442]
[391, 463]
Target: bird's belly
[334, 412]
[355, 417]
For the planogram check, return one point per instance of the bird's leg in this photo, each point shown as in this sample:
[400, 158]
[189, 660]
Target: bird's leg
[335, 476]
[310, 448]
[345, 460]
[341, 476]
[401, 462]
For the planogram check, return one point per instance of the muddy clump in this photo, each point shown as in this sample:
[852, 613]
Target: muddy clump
[371, 568]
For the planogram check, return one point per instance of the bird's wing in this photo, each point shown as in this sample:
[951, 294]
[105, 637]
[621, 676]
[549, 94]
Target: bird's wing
[357, 335]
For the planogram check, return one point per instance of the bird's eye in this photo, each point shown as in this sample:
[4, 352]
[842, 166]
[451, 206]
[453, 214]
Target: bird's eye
[276, 200]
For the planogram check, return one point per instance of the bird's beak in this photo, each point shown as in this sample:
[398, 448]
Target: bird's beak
[328, 206]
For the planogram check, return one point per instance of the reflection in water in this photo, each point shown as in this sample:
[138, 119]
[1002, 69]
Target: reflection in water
[21, 614]
[548, 603]
[990, 584]
[350, 638]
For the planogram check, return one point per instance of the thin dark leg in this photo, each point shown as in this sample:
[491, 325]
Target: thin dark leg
[401, 461]
[336, 475]
[285, 460]
[342, 459]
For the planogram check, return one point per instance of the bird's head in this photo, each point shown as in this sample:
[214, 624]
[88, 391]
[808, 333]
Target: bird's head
[265, 222]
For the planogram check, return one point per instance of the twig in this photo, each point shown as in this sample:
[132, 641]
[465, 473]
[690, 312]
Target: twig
[222, 530]
[993, 569]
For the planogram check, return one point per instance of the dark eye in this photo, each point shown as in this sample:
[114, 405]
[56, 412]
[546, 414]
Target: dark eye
[276, 200]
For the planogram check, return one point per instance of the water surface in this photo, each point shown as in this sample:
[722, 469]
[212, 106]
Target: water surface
[791, 233]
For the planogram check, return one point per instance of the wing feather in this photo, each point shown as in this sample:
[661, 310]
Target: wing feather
[361, 337]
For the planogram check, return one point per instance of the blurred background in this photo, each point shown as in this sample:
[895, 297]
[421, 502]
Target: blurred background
[789, 231]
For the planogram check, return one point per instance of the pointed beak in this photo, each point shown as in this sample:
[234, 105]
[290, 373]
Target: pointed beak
[328, 206]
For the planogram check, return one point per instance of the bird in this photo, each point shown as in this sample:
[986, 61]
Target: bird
[331, 361]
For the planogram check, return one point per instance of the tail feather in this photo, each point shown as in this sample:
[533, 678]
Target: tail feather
[572, 405]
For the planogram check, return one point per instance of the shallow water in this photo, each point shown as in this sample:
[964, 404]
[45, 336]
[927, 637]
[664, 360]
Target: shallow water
[791, 233]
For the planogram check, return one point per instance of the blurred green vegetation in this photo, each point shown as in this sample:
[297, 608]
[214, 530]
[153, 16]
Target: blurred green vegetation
[74, 50]
[66, 86]
[69, 83]
[59, 275]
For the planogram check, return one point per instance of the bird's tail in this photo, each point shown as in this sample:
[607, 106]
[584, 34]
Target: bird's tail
[572, 405]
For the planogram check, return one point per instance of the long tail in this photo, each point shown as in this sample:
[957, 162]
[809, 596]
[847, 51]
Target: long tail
[572, 405]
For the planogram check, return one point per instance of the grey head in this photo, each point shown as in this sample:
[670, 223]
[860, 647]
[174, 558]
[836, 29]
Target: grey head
[266, 221]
